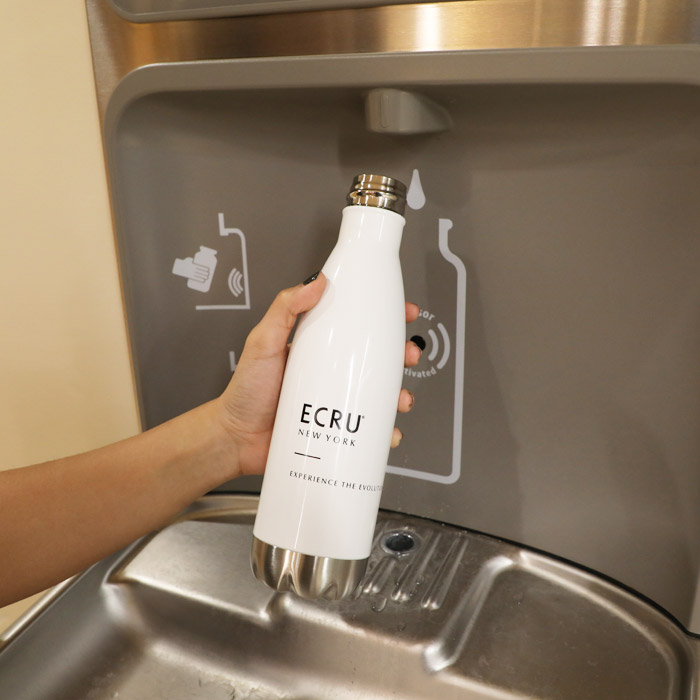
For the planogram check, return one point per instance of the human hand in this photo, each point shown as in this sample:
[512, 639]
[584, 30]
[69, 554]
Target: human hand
[187, 267]
[249, 403]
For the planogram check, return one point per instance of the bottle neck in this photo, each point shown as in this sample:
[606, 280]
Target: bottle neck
[371, 227]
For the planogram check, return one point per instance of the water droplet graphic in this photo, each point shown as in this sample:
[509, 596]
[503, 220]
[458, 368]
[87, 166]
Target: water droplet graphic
[415, 197]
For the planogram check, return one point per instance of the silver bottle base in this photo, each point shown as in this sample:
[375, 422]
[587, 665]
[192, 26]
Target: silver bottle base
[308, 576]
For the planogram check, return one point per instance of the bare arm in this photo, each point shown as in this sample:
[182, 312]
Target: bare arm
[60, 517]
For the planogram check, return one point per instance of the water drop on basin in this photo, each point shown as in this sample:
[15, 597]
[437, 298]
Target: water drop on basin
[380, 604]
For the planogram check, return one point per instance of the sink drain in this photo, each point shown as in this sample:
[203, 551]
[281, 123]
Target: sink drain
[400, 542]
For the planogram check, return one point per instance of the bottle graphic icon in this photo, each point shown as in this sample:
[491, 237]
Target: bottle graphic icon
[439, 350]
[236, 284]
[206, 257]
[199, 271]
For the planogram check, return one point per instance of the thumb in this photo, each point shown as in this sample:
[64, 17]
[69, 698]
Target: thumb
[272, 333]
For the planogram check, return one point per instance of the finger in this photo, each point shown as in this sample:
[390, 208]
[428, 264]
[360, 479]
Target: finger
[413, 353]
[412, 311]
[406, 401]
[396, 437]
[270, 336]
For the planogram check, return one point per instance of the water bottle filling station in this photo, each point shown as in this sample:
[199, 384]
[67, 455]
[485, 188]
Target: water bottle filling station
[538, 532]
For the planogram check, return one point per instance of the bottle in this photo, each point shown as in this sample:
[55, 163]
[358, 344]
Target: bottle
[330, 444]
[207, 258]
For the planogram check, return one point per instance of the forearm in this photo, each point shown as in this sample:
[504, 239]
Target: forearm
[58, 518]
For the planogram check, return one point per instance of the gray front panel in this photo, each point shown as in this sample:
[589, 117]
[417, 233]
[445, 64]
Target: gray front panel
[558, 399]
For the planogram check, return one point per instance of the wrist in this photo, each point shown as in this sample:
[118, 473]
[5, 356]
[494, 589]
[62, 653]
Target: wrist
[222, 446]
[202, 452]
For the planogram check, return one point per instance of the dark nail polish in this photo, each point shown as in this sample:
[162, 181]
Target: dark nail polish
[419, 341]
[312, 278]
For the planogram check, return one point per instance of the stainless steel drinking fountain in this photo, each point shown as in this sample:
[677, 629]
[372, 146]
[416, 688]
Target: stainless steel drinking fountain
[540, 532]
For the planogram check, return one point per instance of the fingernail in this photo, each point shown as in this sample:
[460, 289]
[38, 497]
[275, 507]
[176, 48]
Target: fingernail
[312, 278]
[419, 341]
[413, 399]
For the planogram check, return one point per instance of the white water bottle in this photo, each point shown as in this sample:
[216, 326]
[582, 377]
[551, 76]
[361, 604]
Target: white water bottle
[325, 470]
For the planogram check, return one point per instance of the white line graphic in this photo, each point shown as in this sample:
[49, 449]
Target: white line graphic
[444, 226]
[435, 347]
[234, 282]
[446, 343]
[224, 231]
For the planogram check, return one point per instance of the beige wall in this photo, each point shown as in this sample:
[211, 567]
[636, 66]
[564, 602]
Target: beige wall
[65, 380]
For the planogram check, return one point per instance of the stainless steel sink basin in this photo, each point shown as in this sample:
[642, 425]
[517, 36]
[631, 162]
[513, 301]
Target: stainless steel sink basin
[442, 613]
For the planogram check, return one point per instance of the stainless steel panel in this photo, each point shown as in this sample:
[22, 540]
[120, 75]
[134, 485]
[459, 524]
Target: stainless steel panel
[120, 46]
[456, 615]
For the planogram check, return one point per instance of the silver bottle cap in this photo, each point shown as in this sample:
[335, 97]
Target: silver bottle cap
[307, 576]
[378, 191]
